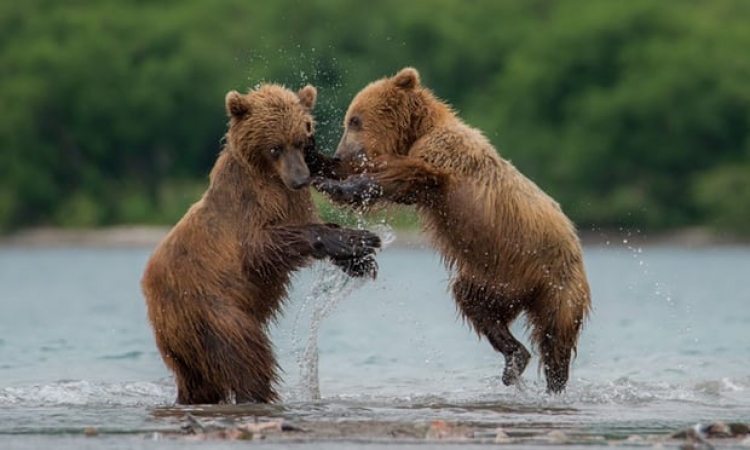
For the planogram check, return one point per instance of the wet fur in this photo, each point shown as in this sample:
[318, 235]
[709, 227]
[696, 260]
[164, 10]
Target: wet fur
[510, 246]
[217, 280]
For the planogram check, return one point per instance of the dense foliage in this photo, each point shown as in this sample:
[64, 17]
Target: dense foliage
[631, 114]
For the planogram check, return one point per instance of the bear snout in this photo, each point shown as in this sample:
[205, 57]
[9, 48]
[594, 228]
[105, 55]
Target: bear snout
[293, 170]
[296, 177]
[299, 183]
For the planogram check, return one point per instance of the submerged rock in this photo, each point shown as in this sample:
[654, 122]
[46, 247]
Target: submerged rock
[231, 429]
[442, 430]
[699, 435]
[714, 430]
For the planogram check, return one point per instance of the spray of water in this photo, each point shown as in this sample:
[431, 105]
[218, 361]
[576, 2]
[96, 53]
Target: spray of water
[329, 288]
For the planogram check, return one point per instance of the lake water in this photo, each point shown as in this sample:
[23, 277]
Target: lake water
[667, 346]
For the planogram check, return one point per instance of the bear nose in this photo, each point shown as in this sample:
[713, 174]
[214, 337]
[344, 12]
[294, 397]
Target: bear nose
[299, 183]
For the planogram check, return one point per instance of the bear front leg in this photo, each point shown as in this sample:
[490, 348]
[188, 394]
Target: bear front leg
[358, 267]
[412, 181]
[351, 250]
[289, 248]
[406, 181]
[325, 166]
[359, 190]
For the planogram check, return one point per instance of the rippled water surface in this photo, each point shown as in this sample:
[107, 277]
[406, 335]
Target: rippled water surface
[667, 346]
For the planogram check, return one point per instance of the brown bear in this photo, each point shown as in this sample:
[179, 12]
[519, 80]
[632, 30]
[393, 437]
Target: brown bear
[512, 248]
[220, 275]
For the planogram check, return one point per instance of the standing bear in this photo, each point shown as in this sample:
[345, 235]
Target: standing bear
[218, 278]
[511, 247]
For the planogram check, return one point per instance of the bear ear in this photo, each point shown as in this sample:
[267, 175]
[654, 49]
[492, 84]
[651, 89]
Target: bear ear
[237, 105]
[407, 78]
[307, 96]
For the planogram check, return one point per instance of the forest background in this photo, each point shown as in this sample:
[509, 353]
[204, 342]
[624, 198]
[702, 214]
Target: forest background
[633, 115]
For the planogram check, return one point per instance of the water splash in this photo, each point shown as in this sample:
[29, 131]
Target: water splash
[330, 287]
[89, 393]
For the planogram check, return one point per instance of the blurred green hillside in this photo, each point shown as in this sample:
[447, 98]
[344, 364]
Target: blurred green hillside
[632, 114]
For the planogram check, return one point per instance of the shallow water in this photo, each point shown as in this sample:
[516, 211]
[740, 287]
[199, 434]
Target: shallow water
[666, 347]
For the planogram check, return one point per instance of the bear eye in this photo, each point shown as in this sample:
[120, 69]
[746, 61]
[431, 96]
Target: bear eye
[275, 152]
[355, 122]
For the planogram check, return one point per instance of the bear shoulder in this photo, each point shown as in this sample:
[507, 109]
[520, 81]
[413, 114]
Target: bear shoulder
[460, 149]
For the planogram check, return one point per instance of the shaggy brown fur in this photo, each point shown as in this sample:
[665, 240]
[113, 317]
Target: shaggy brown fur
[218, 278]
[511, 247]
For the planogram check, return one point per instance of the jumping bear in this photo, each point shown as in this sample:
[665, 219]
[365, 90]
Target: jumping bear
[219, 277]
[510, 245]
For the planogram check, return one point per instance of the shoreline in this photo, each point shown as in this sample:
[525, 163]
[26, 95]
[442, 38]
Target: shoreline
[277, 432]
[140, 236]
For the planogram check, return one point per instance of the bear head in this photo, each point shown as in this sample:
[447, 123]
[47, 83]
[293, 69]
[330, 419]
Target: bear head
[270, 128]
[383, 119]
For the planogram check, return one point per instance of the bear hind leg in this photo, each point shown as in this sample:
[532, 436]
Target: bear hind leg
[556, 373]
[516, 355]
[232, 362]
[555, 352]
[490, 317]
[192, 386]
[255, 379]
[556, 318]
[241, 357]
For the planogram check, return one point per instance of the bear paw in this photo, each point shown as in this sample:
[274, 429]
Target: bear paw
[515, 364]
[358, 190]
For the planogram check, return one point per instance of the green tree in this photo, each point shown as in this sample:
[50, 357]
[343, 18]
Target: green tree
[629, 113]
[616, 107]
